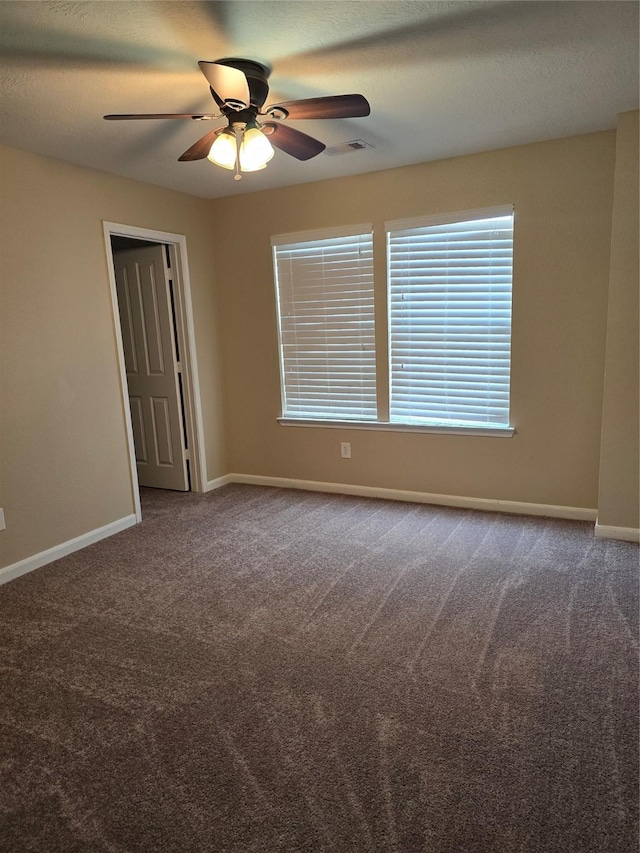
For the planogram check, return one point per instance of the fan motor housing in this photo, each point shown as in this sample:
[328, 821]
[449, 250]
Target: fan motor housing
[244, 117]
[256, 74]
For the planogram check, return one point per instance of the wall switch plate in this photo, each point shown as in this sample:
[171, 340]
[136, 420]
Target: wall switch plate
[345, 449]
[3, 526]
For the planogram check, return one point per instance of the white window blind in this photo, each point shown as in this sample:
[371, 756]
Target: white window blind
[324, 283]
[450, 318]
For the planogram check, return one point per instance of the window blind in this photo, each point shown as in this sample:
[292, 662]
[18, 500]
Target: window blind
[450, 319]
[324, 286]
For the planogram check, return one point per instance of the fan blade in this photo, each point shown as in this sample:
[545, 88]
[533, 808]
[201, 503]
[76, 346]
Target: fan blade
[229, 84]
[293, 141]
[194, 116]
[332, 106]
[201, 148]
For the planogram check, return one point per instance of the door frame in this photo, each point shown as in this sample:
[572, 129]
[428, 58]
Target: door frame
[185, 331]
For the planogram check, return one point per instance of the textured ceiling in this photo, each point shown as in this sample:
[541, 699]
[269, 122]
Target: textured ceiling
[443, 78]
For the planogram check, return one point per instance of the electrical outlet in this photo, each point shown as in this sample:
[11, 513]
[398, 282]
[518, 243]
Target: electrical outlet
[345, 449]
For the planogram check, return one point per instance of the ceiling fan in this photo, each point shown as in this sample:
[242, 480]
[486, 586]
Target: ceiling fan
[240, 89]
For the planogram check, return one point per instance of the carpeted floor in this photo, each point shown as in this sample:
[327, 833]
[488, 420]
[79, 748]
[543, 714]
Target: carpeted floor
[268, 670]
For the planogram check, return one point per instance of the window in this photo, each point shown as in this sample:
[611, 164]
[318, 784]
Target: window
[449, 324]
[450, 319]
[324, 283]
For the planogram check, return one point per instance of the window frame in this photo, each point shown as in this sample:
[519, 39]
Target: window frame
[299, 239]
[498, 431]
[452, 218]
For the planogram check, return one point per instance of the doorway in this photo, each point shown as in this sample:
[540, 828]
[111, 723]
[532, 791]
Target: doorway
[153, 325]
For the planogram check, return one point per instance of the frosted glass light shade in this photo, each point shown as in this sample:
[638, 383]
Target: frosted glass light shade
[224, 151]
[255, 150]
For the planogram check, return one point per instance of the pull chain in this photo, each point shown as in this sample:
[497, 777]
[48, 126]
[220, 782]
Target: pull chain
[239, 134]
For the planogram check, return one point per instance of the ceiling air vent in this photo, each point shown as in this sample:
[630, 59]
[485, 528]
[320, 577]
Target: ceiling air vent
[346, 147]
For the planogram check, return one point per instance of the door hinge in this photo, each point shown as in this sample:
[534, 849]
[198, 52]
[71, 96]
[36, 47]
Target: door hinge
[178, 367]
[186, 454]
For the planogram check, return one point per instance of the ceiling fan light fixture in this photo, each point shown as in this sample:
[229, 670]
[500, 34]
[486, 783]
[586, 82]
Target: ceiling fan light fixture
[255, 150]
[223, 152]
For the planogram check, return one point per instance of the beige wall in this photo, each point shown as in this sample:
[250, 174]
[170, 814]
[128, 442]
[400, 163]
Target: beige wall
[618, 504]
[64, 462]
[562, 192]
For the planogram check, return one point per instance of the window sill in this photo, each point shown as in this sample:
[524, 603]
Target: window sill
[439, 429]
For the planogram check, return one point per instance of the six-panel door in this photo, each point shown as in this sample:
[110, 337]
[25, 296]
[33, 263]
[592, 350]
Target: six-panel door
[146, 318]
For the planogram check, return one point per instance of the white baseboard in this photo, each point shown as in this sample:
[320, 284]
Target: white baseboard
[9, 573]
[486, 504]
[627, 534]
[211, 485]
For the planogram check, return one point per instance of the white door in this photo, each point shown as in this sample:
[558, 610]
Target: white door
[153, 370]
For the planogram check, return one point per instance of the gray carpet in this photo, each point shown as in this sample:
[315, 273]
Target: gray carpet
[267, 670]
